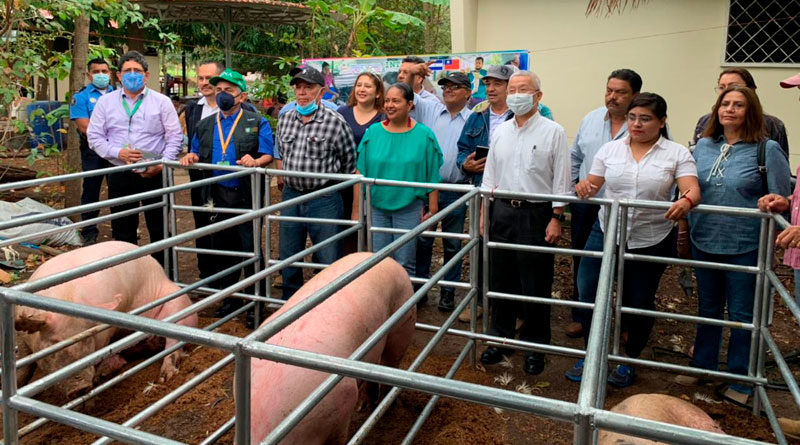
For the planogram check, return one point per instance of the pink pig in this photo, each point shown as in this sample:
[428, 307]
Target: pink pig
[336, 327]
[661, 408]
[123, 288]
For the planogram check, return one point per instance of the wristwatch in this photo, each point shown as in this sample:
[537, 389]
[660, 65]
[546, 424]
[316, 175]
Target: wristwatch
[559, 216]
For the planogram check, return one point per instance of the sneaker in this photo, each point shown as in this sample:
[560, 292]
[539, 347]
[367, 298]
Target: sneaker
[447, 300]
[622, 376]
[576, 372]
[737, 396]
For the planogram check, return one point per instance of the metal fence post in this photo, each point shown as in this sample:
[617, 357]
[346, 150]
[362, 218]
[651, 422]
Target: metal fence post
[9, 378]
[485, 262]
[173, 223]
[242, 395]
[268, 234]
[363, 232]
[623, 236]
[474, 268]
[255, 190]
[165, 215]
[368, 205]
[758, 301]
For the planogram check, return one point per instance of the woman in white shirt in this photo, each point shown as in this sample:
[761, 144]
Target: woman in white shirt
[645, 165]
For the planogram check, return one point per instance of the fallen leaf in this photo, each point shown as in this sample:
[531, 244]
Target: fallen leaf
[5, 277]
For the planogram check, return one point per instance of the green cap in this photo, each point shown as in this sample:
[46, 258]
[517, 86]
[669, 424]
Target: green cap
[231, 76]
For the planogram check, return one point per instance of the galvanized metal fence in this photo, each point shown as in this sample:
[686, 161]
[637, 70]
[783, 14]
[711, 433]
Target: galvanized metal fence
[587, 413]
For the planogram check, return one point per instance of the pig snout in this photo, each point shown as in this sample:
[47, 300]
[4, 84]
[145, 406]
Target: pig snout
[78, 384]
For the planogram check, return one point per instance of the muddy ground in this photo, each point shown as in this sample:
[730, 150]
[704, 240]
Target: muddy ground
[205, 408]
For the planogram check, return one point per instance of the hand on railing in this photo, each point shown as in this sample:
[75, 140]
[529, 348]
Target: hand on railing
[189, 159]
[586, 189]
[789, 237]
[773, 203]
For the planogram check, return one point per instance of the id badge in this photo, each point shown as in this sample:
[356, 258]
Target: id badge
[223, 163]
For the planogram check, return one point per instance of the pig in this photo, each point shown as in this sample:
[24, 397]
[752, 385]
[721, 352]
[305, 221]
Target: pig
[661, 408]
[335, 327]
[123, 288]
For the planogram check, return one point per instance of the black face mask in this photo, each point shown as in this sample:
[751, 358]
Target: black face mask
[225, 101]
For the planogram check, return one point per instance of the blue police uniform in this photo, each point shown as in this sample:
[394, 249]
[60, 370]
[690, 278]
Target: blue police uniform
[82, 105]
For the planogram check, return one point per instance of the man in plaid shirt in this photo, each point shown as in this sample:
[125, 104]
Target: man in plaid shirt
[313, 139]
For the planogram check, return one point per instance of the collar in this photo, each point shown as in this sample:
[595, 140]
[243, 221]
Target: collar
[659, 143]
[142, 94]
[319, 114]
[530, 122]
[464, 113]
[222, 117]
[505, 113]
[93, 89]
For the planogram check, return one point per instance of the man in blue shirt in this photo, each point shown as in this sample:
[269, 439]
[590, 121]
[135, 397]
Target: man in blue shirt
[476, 78]
[80, 111]
[447, 121]
[233, 136]
[601, 125]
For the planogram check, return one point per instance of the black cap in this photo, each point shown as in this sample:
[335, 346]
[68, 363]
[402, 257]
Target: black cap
[457, 78]
[307, 74]
[500, 72]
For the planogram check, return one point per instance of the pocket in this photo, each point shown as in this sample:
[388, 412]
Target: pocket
[538, 156]
[316, 147]
[664, 170]
[615, 169]
[152, 124]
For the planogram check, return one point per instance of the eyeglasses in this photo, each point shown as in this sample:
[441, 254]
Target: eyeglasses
[642, 118]
[452, 87]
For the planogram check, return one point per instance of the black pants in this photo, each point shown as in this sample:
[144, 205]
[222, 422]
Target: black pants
[91, 186]
[583, 218]
[236, 238]
[124, 229]
[204, 261]
[522, 273]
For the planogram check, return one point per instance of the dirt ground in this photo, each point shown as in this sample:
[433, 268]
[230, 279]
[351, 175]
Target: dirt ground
[208, 406]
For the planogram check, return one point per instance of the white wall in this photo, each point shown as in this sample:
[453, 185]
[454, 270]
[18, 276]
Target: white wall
[676, 46]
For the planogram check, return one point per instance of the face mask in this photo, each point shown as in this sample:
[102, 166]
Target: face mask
[133, 81]
[100, 80]
[226, 101]
[310, 108]
[520, 103]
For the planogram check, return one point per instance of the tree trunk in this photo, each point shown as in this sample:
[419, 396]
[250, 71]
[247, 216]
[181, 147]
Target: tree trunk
[77, 74]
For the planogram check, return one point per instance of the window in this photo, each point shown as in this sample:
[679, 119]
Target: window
[763, 32]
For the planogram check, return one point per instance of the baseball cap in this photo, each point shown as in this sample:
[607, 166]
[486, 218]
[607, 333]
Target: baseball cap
[231, 76]
[500, 72]
[456, 77]
[307, 74]
[791, 82]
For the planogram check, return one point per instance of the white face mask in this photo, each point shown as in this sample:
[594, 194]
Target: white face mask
[520, 103]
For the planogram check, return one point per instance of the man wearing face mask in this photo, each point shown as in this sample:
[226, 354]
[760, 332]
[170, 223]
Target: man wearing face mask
[234, 136]
[527, 154]
[129, 125]
[314, 139]
[80, 111]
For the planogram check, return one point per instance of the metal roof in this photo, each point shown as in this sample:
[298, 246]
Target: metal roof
[245, 12]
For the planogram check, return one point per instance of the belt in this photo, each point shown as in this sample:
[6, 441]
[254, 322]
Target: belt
[523, 204]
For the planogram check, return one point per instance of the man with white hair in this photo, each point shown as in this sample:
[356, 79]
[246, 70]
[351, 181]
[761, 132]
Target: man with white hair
[527, 154]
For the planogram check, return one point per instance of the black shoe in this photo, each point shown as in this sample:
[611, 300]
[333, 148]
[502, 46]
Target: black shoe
[89, 238]
[492, 355]
[534, 364]
[447, 300]
[422, 301]
[228, 306]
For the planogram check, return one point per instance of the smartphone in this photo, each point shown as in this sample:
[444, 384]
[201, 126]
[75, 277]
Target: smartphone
[480, 152]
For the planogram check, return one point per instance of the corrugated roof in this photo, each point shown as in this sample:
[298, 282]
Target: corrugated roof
[215, 11]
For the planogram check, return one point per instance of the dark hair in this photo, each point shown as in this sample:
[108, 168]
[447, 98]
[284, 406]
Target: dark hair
[220, 65]
[175, 97]
[653, 102]
[741, 72]
[379, 93]
[630, 76]
[408, 93]
[96, 61]
[135, 56]
[479, 58]
[754, 128]
[413, 59]
[324, 64]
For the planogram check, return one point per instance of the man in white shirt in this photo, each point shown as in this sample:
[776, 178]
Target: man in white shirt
[527, 154]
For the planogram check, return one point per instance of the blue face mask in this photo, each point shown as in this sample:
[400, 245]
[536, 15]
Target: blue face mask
[133, 81]
[309, 109]
[100, 81]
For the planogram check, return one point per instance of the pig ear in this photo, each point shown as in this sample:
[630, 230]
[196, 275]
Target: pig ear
[113, 304]
[30, 320]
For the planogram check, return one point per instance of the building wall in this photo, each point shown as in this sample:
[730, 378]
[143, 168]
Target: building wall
[676, 46]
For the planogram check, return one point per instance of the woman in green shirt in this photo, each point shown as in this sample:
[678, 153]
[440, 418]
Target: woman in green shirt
[399, 148]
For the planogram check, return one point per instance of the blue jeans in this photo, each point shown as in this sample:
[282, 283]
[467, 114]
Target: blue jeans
[797, 285]
[91, 187]
[406, 218]
[583, 218]
[292, 235]
[453, 222]
[638, 288]
[715, 289]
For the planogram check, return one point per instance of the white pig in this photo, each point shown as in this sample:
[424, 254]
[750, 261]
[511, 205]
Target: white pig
[336, 327]
[661, 408]
[123, 288]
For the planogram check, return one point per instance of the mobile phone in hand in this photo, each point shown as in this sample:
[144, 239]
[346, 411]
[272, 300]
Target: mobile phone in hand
[481, 151]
